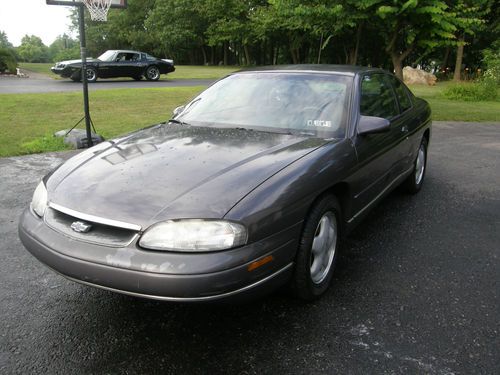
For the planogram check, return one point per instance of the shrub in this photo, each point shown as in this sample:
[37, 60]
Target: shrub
[492, 62]
[486, 89]
[7, 61]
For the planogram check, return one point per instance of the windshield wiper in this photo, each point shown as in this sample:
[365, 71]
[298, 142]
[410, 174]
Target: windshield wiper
[175, 121]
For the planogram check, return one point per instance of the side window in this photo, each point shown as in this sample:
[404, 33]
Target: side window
[121, 57]
[377, 97]
[133, 57]
[402, 93]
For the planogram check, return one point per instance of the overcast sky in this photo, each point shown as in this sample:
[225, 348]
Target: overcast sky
[33, 17]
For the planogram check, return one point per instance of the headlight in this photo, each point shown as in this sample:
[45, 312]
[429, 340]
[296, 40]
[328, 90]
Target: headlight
[39, 201]
[194, 235]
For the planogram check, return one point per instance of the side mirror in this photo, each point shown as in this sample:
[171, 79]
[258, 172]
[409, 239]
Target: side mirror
[373, 125]
[178, 110]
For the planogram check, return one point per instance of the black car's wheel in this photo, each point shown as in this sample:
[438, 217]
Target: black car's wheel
[137, 78]
[152, 73]
[91, 74]
[318, 249]
[415, 180]
[75, 79]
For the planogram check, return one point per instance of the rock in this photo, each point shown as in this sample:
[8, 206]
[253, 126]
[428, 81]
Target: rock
[77, 138]
[418, 76]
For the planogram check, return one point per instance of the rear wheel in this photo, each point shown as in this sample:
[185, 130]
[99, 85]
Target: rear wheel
[415, 180]
[152, 73]
[318, 249]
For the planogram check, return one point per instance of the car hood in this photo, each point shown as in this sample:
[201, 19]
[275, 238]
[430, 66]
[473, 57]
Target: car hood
[69, 62]
[173, 171]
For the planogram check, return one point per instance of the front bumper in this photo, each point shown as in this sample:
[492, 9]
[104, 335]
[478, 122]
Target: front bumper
[65, 72]
[227, 274]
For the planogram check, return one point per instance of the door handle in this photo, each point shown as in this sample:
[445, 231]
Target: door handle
[404, 129]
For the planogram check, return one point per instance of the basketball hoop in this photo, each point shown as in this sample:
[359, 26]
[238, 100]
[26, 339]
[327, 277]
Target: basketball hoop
[98, 9]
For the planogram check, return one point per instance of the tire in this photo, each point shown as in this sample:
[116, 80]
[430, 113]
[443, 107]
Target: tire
[137, 78]
[152, 73]
[91, 74]
[318, 250]
[75, 79]
[415, 180]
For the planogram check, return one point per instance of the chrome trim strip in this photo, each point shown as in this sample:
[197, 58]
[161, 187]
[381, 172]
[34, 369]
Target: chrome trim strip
[181, 299]
[95, 219]
[388, 187]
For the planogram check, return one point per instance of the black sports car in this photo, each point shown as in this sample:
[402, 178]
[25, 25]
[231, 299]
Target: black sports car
[251, 185]
[116, 63]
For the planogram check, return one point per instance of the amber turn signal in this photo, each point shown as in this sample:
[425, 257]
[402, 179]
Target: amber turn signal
[260, 262]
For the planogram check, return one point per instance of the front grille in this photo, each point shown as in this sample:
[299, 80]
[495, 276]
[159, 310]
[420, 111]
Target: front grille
[98, 234]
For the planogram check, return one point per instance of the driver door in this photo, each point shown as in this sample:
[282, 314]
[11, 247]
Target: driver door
[378, 154]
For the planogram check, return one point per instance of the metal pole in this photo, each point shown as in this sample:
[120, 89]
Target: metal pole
[83, 51]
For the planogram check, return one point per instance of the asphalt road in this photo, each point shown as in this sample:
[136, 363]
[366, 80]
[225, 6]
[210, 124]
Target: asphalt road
[12, 85]
[416, 291]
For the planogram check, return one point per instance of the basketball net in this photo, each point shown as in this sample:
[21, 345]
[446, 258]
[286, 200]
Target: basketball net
[98, 9]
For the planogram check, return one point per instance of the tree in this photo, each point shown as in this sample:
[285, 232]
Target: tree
[468, 20]
[32, 49]
[406, 25]
[64, 48]
[7, 60]
[179, 26]
[4, 40]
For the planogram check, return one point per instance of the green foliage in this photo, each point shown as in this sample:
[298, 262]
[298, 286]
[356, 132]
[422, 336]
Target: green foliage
[372, 32]
[4, 41]
[7, 60]
[64, 48]
[478, 91]
[32, 49]
[492, 62]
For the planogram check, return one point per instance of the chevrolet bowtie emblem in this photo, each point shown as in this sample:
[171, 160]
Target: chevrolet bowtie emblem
[81, 227]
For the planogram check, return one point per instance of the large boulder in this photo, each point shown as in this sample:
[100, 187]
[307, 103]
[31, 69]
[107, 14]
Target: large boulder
[418, 76]
[77, 138]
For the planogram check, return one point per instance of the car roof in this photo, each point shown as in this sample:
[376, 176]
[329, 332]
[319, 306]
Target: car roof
[323, 68]
[124, 50]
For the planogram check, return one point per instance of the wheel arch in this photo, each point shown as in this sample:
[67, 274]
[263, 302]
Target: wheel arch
[427, 135]
[342, 192]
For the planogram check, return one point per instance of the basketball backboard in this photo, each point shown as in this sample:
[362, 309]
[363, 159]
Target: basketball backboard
[114, 3]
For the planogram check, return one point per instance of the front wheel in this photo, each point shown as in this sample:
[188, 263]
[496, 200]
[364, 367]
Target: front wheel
[152, 73]
[91, 74]
[415, 180]
[318, 249]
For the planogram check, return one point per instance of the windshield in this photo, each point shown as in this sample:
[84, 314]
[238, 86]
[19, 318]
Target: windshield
[107, 56]
[308, 103]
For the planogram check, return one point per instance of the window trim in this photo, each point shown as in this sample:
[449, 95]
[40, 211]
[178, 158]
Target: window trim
[407, 92]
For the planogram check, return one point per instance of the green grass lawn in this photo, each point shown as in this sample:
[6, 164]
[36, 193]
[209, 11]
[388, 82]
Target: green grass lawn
[444, 109]
[27, 121]
[181, 71]
[41, 68]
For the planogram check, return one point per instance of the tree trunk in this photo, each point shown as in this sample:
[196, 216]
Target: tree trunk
[397, 62]
[204, 55]
[247, 54]
[445, 58]
[354, 59]
[458, 61]
[320, 49]
[293, 54]
[225, 47]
